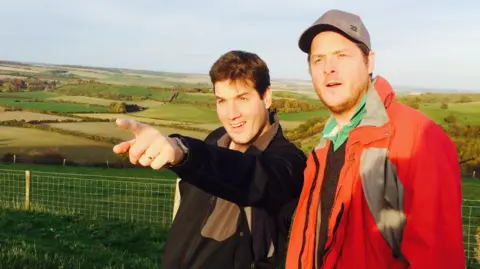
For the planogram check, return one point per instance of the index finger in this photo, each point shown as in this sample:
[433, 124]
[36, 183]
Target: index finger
[130, 124]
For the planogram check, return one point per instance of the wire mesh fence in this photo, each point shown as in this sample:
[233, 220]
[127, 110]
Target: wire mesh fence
[128, 199]
[140, 199]
[12, 188]
[471, 232]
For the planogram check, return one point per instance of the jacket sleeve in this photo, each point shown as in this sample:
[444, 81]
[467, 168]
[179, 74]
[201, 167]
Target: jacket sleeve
[433, 236]
[266, 179]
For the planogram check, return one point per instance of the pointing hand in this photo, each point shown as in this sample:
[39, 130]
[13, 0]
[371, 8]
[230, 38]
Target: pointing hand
[149, 147]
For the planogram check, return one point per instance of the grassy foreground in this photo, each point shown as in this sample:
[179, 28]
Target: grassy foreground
[41, 241]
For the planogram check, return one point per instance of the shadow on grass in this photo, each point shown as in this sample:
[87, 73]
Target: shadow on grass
[42, 240]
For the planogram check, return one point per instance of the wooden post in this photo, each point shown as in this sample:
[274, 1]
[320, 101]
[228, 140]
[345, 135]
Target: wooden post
[64, 160]
[473, 175]
[27, 189]
[176, 199]
[14, 158]
[108, 166]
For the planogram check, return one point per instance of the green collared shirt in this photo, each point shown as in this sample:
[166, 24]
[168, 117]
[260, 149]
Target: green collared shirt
[338, 137]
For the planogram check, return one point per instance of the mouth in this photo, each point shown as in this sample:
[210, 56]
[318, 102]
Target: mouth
[237, 125]
[333, 84]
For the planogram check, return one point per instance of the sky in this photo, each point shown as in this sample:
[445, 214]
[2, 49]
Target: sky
[425, 44]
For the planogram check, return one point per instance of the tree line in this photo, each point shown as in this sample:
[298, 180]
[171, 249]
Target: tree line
[28, 84]
[440, 98]
[122, 107]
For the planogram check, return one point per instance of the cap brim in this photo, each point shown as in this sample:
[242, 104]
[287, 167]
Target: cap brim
[309, 34]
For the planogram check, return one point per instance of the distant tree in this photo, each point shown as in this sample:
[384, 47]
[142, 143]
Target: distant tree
[444, 106]
[464, 99]
[413, 104]
[450, 119]
[118, 107]
[8, 87]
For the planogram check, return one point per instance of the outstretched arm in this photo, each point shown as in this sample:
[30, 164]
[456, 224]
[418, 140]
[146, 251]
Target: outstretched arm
[268, 179]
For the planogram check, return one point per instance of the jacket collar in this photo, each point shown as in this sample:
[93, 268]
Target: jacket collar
[379, 98]
[263, 141]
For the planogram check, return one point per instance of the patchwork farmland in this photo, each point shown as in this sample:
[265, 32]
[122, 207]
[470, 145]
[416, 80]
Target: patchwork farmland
[89, 208]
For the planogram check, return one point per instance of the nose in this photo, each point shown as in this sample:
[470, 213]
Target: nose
[233, 111]
[330, 65]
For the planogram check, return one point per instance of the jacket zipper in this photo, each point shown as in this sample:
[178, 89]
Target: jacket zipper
[335, 228]
[337, 221]
[194, 244]
[329, 217]
[309, 202]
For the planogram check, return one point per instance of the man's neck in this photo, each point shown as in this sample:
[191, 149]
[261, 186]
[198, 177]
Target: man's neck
[344, 118]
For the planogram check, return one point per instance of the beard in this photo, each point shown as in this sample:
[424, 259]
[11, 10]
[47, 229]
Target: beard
[350, 102]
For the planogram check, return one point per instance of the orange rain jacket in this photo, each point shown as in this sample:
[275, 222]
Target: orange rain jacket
[398, 200]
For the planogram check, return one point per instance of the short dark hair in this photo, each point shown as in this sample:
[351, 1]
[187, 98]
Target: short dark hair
[241, 66]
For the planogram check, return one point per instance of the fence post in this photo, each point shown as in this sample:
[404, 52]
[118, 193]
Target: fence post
[176, 199]
[473, 175]
[28, 186]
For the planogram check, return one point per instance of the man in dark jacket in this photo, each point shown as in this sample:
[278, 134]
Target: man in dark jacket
[239, 187]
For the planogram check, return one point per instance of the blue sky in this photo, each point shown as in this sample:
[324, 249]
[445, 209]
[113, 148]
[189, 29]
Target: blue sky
[428, 44]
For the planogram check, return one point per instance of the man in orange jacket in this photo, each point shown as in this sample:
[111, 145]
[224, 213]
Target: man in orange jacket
[382, 188]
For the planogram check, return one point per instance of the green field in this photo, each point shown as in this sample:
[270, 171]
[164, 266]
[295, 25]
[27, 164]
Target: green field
[303, 116]
[47, 241]
[465, 113]
[308, 97]
[109, 129]
[102, 101]
[84, 221]
[136, 92]
[30, 143]
[51, 106]
[31, 116]
[108, 90]
[182, 113]
[27, 95]
[39, 101]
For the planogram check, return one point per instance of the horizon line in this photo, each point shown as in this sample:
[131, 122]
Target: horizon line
[396, 87]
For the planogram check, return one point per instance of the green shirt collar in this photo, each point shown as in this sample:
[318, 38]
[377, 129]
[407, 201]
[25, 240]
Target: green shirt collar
[338, 137]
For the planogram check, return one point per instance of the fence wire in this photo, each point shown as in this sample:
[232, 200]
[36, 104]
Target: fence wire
[143, 199]
[12, 189]
[471, 232]
[128, 199]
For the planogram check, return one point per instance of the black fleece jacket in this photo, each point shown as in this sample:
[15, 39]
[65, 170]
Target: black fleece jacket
[268, 181]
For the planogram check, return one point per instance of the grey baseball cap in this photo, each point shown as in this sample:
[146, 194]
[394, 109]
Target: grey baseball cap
[348, 24]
